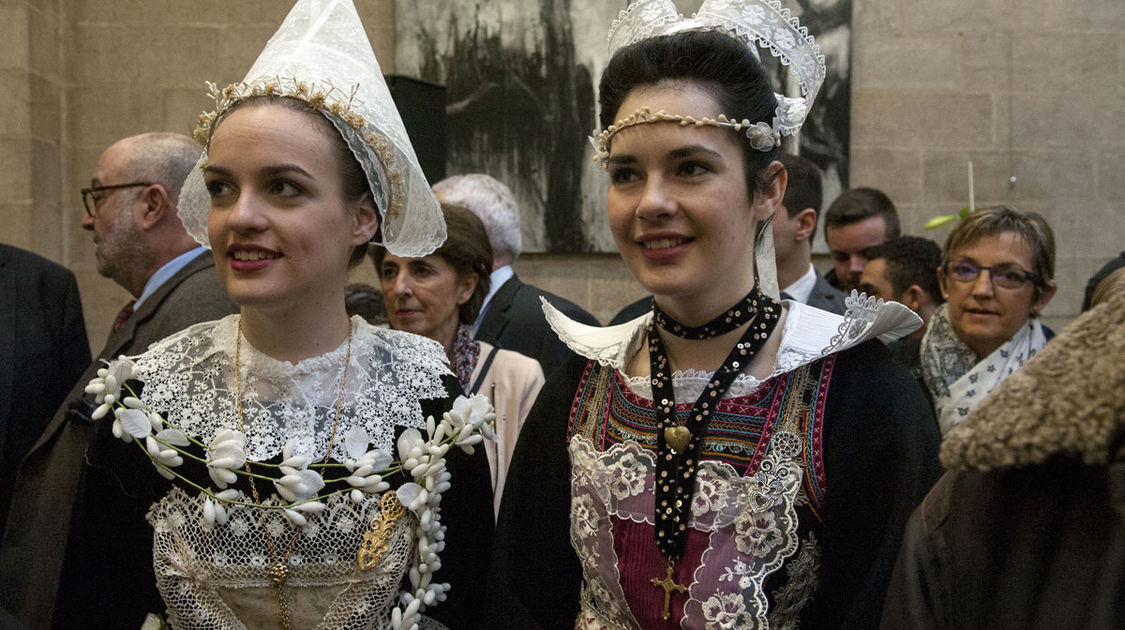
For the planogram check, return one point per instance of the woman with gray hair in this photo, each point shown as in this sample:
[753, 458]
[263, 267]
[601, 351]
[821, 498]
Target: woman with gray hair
[996, 276]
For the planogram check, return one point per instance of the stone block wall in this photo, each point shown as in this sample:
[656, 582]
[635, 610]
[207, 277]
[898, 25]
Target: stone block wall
[1031, 91]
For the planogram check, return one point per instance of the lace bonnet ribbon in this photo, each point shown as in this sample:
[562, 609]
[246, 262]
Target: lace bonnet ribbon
[321, 55]
[756, 23]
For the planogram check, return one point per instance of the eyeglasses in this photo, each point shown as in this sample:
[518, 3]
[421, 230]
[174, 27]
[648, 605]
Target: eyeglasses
[92, 195]
[1005, 276]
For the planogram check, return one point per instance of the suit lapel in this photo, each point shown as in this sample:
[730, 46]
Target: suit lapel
[496, 318]
[123, 338]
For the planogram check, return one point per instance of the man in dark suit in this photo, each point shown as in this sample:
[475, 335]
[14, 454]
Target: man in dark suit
[793, 232]
[142, 245]
[512, 316]
[43, 351]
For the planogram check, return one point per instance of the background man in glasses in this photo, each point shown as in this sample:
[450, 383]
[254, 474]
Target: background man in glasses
[141, 245]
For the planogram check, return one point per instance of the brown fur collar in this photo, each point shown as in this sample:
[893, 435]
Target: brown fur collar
[1069, 399]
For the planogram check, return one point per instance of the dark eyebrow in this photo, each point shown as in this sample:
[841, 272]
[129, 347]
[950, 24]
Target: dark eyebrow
[688, 151]
[675, 154]
[269, 170]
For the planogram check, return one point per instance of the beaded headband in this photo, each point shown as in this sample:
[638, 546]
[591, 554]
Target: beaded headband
[763, 137]
[755, 23]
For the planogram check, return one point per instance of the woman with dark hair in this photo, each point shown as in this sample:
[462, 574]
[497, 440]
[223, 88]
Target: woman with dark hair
[725, 460]
[289, 460]
[439, 296]
[997, 275]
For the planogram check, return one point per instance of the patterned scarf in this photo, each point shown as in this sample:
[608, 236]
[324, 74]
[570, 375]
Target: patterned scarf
[466, 352]
[954, 376]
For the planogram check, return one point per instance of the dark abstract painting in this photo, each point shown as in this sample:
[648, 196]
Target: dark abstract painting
[521, 77]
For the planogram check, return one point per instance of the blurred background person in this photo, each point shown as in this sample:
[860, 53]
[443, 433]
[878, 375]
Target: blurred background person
[511, 316]
[1101, 274]
[905, 270]
[43, 351]
[859, 218]
[794, 227]
[439, 296]
[367, 302]
[1109, 285]
[1026, 529]
[997, 275]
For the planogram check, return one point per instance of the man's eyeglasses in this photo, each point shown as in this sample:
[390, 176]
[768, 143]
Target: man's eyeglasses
[92, 195]
[1006, 276]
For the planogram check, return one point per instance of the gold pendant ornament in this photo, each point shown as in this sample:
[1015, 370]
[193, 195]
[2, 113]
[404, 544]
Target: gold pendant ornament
[677, 438]
[377, 539]
[669, 585]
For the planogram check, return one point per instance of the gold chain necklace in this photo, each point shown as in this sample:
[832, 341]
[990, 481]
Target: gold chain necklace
[279, 570]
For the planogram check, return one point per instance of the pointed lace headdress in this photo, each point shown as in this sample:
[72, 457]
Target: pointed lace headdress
[757, 24]
[321, 55]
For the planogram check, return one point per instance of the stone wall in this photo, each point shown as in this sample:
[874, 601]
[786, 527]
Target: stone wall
[1034, 92]
[77, 75]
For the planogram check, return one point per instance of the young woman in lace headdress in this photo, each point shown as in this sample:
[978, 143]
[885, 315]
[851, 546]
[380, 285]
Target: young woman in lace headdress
[308, 488]
[725, 461]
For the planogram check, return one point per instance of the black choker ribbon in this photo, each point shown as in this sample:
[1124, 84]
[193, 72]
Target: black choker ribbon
[732, 319]
[677, 447]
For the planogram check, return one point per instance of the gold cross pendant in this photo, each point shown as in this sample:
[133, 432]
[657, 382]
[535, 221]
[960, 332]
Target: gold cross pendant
[669, 585]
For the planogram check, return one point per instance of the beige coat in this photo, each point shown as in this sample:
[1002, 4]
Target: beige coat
[512, 383]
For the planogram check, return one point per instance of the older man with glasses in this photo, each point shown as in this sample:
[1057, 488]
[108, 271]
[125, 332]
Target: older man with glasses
[141, 245]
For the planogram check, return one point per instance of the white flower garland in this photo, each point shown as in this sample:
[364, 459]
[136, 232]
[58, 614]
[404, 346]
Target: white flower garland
[467, 424]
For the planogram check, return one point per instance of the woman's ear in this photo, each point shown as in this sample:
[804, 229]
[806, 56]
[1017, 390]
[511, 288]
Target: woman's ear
[466, 284]
[1045, 295]
[941, 283]
[365, 220]
[769, 200]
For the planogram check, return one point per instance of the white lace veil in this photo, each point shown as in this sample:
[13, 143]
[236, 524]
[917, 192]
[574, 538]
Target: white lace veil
[321, 55]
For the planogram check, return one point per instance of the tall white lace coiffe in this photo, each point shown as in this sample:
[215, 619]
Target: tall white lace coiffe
[321, 55]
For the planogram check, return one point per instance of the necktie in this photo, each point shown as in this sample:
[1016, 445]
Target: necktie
[786, 296]
[123, 316]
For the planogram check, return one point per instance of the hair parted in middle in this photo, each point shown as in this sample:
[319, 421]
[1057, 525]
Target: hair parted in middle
[716, 62]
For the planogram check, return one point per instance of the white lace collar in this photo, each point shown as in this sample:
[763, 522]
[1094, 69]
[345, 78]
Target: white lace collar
[809, 334]
[189, 377]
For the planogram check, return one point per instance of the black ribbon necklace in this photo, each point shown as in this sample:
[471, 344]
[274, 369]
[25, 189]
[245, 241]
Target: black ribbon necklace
[677, 446]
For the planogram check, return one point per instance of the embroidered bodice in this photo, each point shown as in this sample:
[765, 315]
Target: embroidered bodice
[753, 554]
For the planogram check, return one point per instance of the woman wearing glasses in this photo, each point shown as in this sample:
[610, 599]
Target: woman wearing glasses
[997, 276]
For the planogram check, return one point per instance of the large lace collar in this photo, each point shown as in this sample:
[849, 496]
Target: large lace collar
[808, 335]
[189, 377]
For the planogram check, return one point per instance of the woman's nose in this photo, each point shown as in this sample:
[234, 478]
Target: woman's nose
[247, 213]
[982, 285]
[656, 199]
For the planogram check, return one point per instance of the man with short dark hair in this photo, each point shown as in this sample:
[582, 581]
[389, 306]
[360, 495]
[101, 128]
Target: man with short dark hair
[140, 244]
[904, 270]
[793, 229]
[512, 315]
[858, 219]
